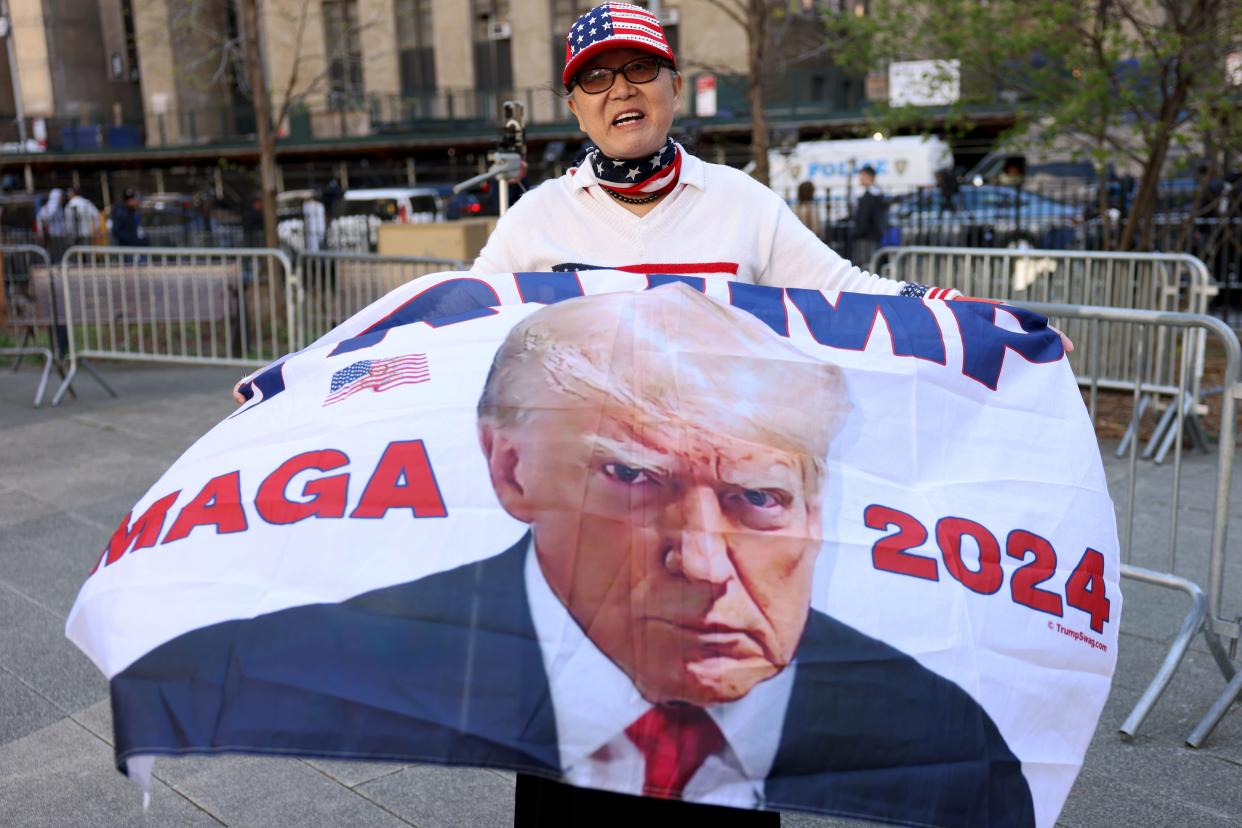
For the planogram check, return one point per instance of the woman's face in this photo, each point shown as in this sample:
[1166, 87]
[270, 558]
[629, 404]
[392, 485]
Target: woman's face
[629, 120]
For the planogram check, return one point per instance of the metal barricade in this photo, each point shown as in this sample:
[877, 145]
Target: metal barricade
[30, 313]
[1142, 281]
[1141, 560]
[169, 304]
[333, 286]
[1150, 281]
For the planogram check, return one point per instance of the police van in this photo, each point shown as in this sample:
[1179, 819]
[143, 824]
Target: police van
[902, 165]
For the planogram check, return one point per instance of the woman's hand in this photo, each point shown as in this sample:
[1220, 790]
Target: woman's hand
[1066, 342]
[237, 394]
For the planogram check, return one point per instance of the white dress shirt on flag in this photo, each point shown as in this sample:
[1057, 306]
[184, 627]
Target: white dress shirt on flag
[594, 701]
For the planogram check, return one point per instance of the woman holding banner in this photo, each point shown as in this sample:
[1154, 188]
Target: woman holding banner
[639, 202]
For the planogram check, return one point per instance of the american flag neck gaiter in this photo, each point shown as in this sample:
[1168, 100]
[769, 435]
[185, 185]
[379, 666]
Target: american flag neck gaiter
[656, 173]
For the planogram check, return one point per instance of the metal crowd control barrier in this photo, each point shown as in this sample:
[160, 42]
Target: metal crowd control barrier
[1149, 281]
[170, 304]
[1209, 612]
[333, 286]
[1142, 281]
[29, 312]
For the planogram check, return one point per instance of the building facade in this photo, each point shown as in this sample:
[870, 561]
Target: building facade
[154, 93]
[166, 73]
[71, 65]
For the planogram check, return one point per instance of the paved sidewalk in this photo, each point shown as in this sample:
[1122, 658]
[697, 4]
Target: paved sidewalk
[67, 475]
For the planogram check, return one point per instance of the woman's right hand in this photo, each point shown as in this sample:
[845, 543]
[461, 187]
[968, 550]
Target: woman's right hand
[237, 394]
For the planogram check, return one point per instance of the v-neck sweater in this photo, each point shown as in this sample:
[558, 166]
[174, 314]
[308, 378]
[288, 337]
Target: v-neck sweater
[718, 222]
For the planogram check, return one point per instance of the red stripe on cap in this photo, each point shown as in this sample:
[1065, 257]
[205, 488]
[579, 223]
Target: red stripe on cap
[648, 20]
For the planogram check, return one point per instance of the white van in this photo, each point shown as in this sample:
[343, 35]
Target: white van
[404, 205]
[901, 165]
[358, 216]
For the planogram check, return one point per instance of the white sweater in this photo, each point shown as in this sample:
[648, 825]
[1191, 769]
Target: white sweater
[717, 222]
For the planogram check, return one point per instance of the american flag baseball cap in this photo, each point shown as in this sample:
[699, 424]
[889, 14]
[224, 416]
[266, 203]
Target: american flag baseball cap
[613, 26]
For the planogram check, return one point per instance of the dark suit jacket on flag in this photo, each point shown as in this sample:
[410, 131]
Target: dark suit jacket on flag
[447, 668]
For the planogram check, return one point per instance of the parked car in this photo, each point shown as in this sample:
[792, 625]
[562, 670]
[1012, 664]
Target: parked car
[483, 200]
[988, 215]
[17, 218]
[404, 205]
[176, 220]
[186, 220]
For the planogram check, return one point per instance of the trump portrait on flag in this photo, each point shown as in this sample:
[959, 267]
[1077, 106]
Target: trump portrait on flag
[651, 633]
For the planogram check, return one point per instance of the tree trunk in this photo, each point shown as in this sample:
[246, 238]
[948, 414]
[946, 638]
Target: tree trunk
[1143, 208]
[757, 46]
[263, 120]
[4, 308]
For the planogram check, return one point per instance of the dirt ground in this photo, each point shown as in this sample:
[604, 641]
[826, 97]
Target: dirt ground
[1115, 408]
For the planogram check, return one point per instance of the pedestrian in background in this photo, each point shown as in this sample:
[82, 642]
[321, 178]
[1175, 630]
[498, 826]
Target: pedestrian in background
[82, 217]
[332, 194]
[127, 221]
[870, 217]
[53, 230]
[52, 215]
[252, 221]
[806, 209]
[314, 222]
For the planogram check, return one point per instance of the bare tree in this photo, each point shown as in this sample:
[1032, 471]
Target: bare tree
[263, 118]
[765, 24]
[4, 307]
[754, 16]
[240, 57]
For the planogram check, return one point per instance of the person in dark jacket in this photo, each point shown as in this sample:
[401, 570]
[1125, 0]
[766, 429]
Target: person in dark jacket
[870, 219]
[127, 221]
[252, 221]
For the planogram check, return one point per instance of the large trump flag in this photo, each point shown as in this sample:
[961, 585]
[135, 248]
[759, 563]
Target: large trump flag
[663, 536]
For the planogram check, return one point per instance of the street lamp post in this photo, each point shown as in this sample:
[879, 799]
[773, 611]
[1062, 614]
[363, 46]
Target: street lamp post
[6, 31]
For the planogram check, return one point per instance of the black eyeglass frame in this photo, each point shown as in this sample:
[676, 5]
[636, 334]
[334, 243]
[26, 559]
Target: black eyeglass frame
[661, 63]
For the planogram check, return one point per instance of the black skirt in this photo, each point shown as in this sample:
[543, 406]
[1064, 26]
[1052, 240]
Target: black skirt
[542, 802]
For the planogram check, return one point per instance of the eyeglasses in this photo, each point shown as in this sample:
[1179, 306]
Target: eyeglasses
[601, 78]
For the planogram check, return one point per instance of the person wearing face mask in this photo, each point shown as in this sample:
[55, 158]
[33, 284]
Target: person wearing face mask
[639, 202]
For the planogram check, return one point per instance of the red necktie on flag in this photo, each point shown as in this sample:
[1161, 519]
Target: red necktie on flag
[675, 740]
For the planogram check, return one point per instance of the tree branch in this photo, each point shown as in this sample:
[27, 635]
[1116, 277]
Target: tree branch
[733, 10]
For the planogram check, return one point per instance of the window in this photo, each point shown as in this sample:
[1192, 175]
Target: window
[493, 61]
[488, 16]
[563, 13]
[131, 41]
[416, 47]
[342, 36]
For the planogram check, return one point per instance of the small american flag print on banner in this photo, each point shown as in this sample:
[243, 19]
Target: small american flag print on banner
[378, 375]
